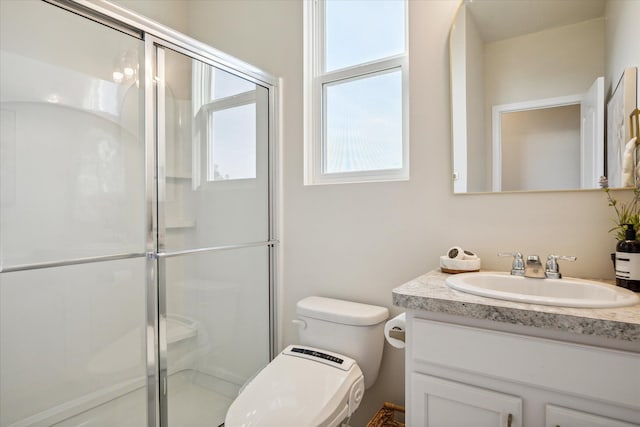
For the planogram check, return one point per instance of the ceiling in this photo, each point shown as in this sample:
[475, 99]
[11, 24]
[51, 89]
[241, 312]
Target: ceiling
[503, 19]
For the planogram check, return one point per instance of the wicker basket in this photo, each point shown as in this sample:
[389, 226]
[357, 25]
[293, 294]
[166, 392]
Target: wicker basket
[385, 417]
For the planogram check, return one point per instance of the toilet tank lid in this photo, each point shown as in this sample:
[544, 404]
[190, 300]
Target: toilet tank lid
[340, 311]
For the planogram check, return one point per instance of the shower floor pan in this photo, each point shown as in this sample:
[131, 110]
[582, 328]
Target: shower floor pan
[190, 404]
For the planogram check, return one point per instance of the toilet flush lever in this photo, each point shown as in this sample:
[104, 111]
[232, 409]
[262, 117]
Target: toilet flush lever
[397, 333]
[299, 323]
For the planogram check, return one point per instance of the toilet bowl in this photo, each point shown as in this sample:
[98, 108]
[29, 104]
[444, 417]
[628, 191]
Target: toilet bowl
[304, 387]
[320, 382]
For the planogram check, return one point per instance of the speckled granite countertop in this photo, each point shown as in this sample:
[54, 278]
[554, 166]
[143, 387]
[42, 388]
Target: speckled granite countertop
[430, 293]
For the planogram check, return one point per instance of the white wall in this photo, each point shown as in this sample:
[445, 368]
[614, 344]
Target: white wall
[359, 241]
[541, 149]
[172, 13]
[546, 64]
[621, 42]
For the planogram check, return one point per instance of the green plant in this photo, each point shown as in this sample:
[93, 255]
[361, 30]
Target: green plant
[626, 213]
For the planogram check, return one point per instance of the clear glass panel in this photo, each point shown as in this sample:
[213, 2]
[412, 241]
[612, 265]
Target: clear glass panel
[72, 345]
[216, 156]
[226, 84]
[231, 144]
[364, 124]
[359, 31]
[71, 145]
[217, 330]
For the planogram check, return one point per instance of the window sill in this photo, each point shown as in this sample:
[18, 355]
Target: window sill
[358, 178]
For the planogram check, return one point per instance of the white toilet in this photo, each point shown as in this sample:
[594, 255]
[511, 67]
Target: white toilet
[320, 382]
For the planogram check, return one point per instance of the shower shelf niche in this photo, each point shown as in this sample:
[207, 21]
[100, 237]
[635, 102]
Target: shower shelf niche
[180, 328]
[177, 175]
[173, 224]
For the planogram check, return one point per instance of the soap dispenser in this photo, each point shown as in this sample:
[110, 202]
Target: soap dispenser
[628, 260]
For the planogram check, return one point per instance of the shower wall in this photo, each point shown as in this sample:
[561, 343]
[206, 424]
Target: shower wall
[73, 146]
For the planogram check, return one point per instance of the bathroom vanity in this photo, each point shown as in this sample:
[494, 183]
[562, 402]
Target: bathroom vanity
[472, 360]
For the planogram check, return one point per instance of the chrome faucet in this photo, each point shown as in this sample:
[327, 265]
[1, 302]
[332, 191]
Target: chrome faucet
[533, 267]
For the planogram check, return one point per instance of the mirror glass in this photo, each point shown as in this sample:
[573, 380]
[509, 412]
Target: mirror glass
[531, 85]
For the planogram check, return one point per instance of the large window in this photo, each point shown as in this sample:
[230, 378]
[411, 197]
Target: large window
[356, 87]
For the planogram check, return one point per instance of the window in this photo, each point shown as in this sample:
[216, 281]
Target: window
[226, 112]
[231, 142]
[356, 91]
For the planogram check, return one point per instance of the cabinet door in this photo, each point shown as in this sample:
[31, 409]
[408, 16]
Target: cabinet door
[562, 417]
[438, 403]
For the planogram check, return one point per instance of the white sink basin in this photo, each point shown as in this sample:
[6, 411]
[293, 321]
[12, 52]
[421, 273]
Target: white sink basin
[565, 292]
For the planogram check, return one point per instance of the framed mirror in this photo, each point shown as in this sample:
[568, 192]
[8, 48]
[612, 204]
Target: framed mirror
[532, 85]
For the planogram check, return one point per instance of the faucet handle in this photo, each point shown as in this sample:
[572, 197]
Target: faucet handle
[552, 270]
[517, 268]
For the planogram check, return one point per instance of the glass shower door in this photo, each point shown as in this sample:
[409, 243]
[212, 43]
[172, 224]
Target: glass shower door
[72, 221]
[127, 300]
[213, 235]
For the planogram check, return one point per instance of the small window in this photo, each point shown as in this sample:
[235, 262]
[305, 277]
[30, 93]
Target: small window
[232, 143]
[224, 107]
[356, 103]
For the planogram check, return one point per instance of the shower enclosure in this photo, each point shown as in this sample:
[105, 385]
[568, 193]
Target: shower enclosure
[137, 223]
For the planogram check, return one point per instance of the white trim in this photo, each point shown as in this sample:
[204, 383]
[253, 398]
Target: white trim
[315, 79]
[592, 152]
[360, 70]
[232, 101]
[496, 123]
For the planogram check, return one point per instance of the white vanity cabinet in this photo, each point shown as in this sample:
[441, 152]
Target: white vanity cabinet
[462, 375]
[556, 416]
[439, 402]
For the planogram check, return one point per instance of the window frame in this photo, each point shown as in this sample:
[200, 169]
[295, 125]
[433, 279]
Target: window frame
[203, 154]
[315, 81]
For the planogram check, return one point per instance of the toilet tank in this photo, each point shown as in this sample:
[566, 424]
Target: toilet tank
[350, 328]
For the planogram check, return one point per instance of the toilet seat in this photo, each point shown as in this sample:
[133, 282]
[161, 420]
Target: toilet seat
[302, 386]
